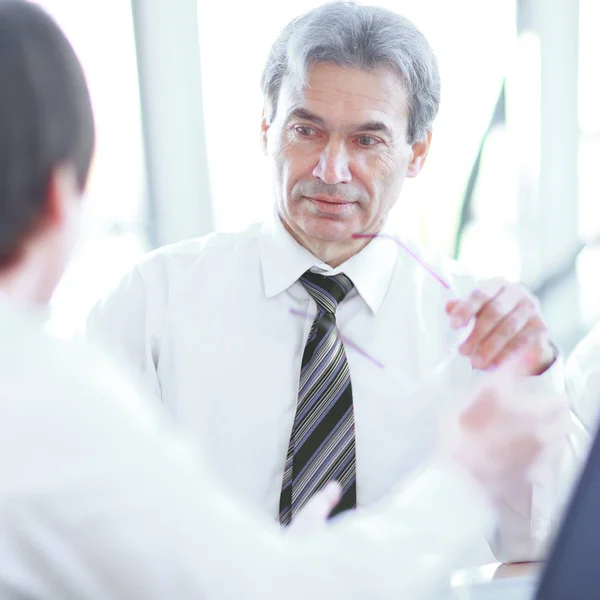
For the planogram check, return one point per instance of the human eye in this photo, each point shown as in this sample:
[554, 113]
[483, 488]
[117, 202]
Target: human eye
[367, 140]
[305, 131]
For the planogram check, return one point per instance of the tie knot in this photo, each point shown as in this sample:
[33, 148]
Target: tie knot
[327, 292]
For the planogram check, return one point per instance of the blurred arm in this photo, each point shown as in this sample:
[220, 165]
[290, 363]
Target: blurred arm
[114, 505]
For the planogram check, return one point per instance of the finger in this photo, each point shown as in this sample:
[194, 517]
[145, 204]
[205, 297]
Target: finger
[532, 340]
[464, 310]
[490, 316]
[518, 365]
[450, 305]
[522, 321]
[317, 509]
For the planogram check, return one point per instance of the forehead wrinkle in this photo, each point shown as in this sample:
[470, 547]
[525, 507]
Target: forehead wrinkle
[361, 121]
[389, 105]
[385, 107]
[349, 95]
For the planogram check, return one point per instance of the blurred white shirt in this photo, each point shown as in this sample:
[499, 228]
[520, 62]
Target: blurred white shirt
[211, 326]
[100, 499]
[583, 380]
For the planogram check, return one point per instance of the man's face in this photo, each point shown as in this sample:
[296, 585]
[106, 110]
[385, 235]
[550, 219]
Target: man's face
[340, 152]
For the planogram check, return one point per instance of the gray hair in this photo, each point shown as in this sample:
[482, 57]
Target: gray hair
[362, 37]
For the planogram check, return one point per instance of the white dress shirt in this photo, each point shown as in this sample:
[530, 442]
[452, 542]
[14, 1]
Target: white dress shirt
[101, 500]
[583, 380]
[208, 326]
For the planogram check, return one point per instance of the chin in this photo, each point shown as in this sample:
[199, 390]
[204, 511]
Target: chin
[328, 229]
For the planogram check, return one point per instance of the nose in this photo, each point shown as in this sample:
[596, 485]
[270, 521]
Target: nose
[334, 164]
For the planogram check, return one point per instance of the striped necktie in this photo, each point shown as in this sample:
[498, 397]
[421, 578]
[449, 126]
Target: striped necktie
[322, 441]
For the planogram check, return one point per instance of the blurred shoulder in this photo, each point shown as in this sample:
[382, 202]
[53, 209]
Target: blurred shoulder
[42, 370]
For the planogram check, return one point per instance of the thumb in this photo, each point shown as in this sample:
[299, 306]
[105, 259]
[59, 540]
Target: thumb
[316, 511]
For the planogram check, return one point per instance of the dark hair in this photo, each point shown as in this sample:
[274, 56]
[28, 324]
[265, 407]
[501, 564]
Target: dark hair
[45, 118]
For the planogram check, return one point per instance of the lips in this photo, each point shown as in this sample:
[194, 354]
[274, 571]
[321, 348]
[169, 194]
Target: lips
[329, 205]
[329, 200]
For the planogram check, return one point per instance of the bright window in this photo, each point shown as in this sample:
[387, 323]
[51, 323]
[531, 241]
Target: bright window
[102, 35]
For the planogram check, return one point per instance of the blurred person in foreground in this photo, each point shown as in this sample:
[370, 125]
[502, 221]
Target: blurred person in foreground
[101, 499]
[250, 339]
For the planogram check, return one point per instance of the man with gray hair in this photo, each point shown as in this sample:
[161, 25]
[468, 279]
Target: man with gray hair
[99, 497]
[303, 350]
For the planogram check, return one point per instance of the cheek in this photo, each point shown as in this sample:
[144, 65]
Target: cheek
[393, 169]
[296, 162]
[280, 163]
[379, 173]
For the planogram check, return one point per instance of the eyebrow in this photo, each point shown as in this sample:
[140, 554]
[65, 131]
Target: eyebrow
[369, 126]
[306, 115]
[374, 127]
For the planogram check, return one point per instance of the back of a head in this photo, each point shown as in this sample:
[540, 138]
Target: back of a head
[361, 37]
[45, 118]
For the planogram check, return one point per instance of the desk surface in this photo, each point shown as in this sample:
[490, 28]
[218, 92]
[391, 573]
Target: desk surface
[495, 582]
[488, 573]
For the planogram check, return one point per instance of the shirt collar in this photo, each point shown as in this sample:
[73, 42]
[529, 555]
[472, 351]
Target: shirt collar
[284, 260]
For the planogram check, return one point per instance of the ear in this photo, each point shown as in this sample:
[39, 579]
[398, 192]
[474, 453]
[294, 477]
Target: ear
[61, 192]
[419, 150]
[264, 128]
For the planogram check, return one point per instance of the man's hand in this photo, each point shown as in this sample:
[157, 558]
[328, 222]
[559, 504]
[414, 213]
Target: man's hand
[507, 321]
[507, 427]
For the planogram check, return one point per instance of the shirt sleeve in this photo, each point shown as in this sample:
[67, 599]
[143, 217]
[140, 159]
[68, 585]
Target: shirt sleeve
[529, 516]
[583, 381]
[115, 504]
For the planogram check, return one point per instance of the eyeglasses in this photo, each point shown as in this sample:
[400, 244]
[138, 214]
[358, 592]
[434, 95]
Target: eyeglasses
[418, 259]
[447, 348]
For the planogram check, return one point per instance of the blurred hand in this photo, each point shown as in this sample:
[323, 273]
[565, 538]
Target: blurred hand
[507, 427]
[507, 320]
[316, 511]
